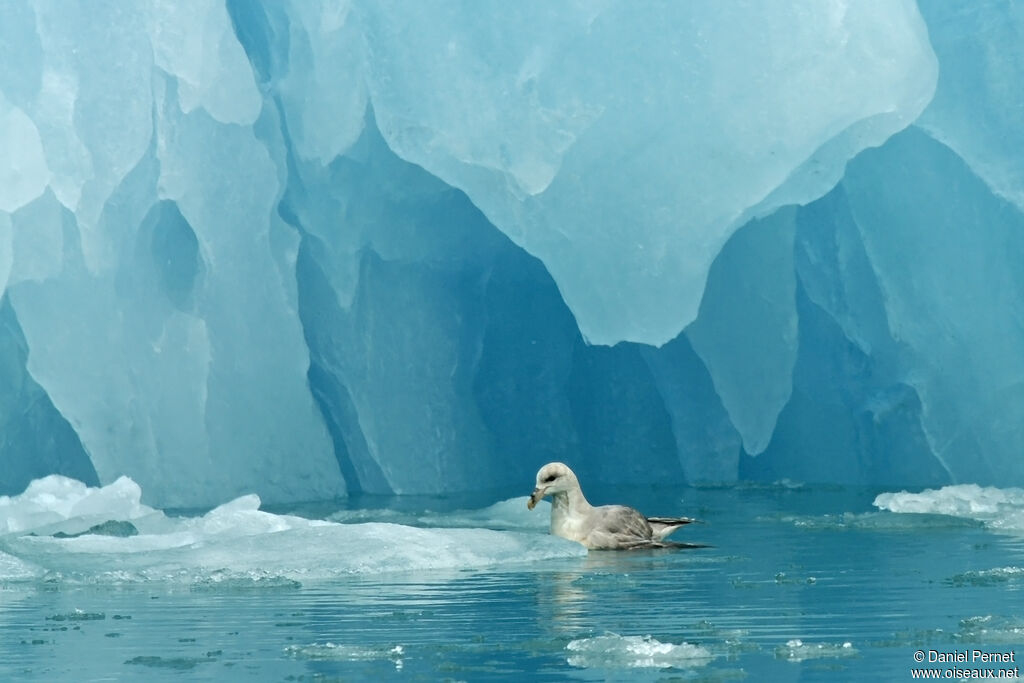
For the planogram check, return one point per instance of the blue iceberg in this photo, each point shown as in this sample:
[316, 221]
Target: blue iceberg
[313, 249]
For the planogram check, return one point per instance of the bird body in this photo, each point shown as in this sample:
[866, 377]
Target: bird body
[605, 527]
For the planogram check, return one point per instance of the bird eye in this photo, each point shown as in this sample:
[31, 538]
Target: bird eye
[549, 478]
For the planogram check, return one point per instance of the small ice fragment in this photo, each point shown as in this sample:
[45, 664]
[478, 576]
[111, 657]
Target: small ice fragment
[796, 650]
[615, 651]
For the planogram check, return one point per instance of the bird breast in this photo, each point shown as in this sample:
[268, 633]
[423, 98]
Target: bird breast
[563, 523]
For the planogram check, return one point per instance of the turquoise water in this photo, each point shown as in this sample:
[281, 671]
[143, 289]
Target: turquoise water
[802, 584]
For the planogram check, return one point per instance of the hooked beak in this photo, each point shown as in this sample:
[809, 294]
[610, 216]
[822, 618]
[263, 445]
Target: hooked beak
[535, 498]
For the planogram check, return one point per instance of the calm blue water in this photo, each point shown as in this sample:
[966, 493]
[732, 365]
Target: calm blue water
[860, 589]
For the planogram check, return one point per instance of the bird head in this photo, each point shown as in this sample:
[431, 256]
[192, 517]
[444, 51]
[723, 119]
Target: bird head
[555, 477]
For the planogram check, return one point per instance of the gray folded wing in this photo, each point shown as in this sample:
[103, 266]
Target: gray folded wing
[618, 527]
[614, 527]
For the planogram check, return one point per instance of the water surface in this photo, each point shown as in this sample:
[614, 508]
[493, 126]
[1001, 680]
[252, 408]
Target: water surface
[803, 583]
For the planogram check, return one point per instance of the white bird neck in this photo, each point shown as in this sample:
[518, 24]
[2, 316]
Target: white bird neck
[569, 502]
[569, 513]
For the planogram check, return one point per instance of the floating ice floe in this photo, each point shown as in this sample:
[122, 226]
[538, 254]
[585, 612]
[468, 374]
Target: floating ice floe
[991, 629]
[509, 515]
[346, 653]
[614, 651]
[997, 508]
[879, 521]
[796, 650]
[988, 577]
[59, 530]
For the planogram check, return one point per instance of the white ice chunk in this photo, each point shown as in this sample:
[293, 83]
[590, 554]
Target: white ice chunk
[612, 651]
[236, 541]
[991, 628]
[339, 652]
[796, 650]
[1001, 509]
[54, 499]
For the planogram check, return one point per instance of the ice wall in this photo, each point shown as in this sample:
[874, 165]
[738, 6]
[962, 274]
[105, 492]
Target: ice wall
[976, 109]
[306, 249]
[151, 277]
[708, 133]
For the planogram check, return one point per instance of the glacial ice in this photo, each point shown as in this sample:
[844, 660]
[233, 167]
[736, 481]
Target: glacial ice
[977, 102]
[309, 249]
[164, 291]
[512, 515]
[956, 312]
[57, 500]
[23, 170]
[550, 110]
[999, 508]
[237, 543]
[752, 284]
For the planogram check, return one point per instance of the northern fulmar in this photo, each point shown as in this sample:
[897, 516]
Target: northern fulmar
[605, 527]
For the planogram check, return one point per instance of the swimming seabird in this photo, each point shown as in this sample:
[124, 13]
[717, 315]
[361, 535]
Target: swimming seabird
[606, 527]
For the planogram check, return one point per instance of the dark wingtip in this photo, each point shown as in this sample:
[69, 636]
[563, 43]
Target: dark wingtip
[663, 545]
[675, 520]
